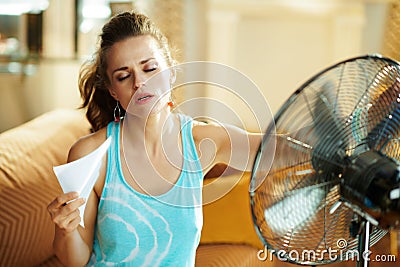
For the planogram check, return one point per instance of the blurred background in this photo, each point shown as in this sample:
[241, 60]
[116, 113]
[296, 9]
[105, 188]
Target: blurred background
[278, 44]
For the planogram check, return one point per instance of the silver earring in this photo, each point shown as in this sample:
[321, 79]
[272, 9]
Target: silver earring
[117, 113]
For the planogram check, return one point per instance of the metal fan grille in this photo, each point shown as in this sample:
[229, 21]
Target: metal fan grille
[346, 108]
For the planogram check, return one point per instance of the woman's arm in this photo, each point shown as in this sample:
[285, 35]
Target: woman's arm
[72, 243]
[226, 144]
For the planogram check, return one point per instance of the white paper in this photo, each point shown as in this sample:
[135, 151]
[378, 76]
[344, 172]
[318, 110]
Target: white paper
[81, 175]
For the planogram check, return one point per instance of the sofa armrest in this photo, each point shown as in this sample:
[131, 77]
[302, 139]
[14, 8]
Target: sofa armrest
[28, 184]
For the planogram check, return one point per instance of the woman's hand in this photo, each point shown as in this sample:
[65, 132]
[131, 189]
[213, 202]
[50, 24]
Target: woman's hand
[64, 211]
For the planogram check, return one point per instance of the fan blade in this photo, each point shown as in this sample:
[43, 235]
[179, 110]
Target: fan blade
[386, 129]
[286, 215]
[327, 156]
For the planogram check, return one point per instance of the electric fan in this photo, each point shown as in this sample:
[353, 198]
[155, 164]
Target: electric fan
[332, 189]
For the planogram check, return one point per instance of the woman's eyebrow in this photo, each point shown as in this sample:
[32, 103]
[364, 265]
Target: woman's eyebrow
[122, 68]
[144, 61]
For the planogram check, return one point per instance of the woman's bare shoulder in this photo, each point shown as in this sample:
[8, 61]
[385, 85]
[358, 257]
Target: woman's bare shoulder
[87, 144]
[203, 129]
[198, 129]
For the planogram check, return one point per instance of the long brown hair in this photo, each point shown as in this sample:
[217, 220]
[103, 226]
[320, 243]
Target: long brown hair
[93, 80]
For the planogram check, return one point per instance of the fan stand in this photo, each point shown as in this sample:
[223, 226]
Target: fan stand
[363, 244]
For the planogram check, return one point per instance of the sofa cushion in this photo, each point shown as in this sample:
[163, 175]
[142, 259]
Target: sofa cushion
[228, 255]
[227, 211]
[28, 184]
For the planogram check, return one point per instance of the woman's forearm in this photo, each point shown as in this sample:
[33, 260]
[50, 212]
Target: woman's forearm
[70, 248]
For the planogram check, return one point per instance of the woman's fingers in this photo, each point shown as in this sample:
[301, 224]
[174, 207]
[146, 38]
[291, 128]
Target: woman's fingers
[64, 210]
[61, 200]
[70, 222]
[71, 206]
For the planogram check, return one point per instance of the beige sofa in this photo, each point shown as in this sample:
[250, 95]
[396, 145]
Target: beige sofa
[28, 184]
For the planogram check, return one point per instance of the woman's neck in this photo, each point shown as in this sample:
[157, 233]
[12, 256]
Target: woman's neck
[148, 132]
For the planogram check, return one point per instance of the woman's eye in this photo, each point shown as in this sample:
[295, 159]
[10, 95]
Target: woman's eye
[120, 79]
[150, 69]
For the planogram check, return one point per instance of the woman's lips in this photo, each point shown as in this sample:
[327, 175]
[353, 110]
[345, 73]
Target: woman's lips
[143, 98]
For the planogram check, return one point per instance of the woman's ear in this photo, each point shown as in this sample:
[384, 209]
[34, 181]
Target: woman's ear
[112, 93]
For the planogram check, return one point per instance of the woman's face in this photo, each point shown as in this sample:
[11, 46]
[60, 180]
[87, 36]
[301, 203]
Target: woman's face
[131, 64]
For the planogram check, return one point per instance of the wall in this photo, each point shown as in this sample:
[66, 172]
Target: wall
[276, 44]
[53, 85]
[53, 81]
[281, 44]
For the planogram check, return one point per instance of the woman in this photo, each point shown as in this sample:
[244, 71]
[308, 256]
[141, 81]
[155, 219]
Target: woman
[145, 208]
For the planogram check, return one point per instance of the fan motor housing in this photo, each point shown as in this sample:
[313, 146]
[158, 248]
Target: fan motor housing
[367, 182]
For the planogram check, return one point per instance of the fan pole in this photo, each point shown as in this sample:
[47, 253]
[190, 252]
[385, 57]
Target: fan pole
[363, 244]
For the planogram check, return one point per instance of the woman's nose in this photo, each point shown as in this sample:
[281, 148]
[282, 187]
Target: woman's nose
[139, 82]
[138, 85]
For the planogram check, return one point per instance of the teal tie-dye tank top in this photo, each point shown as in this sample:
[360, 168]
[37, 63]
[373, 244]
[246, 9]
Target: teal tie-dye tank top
[134, 229]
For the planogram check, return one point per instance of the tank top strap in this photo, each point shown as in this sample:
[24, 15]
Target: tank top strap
[191, 159]
[113, 130]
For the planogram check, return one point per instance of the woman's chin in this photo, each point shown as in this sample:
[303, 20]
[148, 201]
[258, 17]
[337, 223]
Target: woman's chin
[144, 112]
